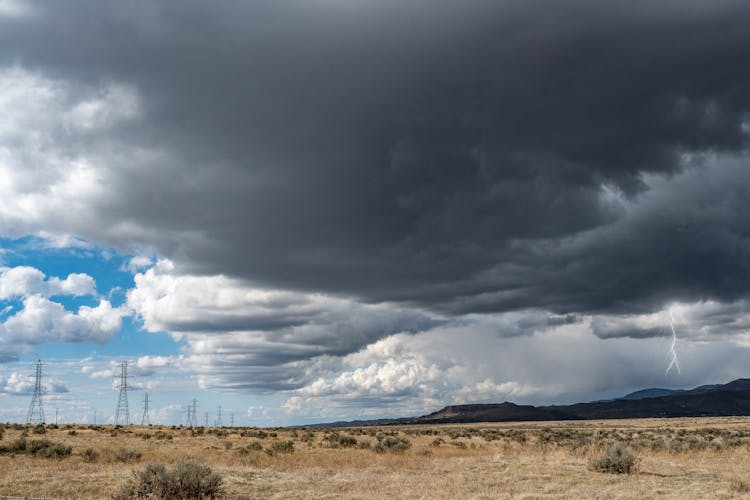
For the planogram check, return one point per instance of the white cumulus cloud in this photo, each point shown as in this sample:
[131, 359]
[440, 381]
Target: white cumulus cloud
[24, 280]
[23, 383]
[41, 320]
[242, 336]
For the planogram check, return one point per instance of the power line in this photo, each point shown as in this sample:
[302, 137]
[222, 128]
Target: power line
[36, 409]
[122, 414]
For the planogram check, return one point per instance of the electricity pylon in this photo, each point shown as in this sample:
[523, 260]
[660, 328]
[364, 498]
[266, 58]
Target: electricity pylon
[36, 409]
[122, 414]
[192, 414]
[146, 419]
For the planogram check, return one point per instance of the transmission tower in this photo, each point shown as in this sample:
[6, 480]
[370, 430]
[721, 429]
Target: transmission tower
[36, 410]
[231, 420]
[146, 419]
[192, 414]
[218, 418]
[122, 414]
[206, 424]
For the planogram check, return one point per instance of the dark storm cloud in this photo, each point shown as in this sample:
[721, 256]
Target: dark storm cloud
[704, 321]
[449, 154]
[684, 240]
[607, 328]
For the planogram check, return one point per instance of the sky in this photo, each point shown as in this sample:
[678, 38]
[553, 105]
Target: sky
[319, 210]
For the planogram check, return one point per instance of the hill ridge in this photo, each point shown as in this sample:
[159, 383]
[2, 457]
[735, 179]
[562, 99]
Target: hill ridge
[715, 400]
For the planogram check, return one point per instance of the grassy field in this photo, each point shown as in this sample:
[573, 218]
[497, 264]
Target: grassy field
[675, 458]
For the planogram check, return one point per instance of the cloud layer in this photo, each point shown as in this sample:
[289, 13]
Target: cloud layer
[244, 337]
[317, 178]
[31, 317]
[491, 156]
[336, 357]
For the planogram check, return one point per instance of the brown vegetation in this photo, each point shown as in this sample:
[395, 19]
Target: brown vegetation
[673, 458]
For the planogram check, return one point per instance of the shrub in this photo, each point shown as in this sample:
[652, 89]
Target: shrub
[364, 445]
[47, 449]
[735, 441]
[256, 433]
[347, 441]
[678, 445]
[185, 481]
[17, 446]
[282, 447]
[393, 444]
[516, 435]
[252, 447]
[39, 429]
[617, 460]
[40, 448]
[330, 440]
[490, 435]
[126, 455]
[696, 443]
[657, 444]
[90, 455]
[2, 431]
[717, 444]
[336, 440]
[162, 435]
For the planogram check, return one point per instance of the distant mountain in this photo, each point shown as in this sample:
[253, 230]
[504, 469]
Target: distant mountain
[655, 392]
[732, 399]
[720, 400]
[650, 393]
[709, 386]
[741, 384]
[360, 423]
[487, 412]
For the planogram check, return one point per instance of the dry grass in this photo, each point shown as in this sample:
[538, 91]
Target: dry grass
[678, 458]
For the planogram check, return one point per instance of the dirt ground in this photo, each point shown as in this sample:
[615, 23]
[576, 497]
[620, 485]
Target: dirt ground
[676, 458]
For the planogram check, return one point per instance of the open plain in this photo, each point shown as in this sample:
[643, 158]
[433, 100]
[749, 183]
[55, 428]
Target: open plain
[674, 458]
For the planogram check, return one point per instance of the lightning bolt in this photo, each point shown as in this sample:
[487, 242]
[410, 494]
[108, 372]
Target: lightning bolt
[673, 363]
